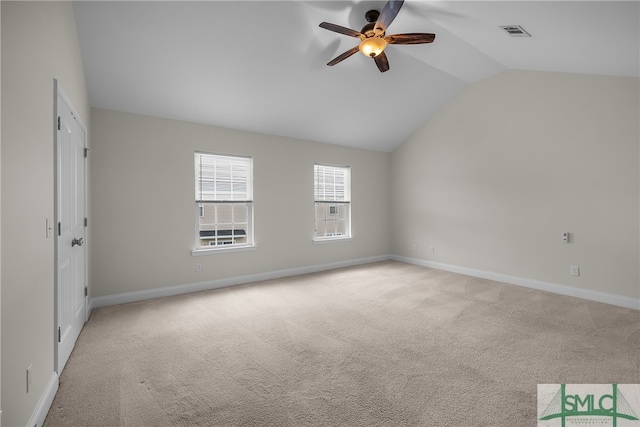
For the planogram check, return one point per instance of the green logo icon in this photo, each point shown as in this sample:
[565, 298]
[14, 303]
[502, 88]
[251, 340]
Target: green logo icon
[588, 401]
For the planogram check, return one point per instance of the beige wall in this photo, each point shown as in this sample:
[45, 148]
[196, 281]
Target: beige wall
[140, 162]
[496, 176]
[39, 43]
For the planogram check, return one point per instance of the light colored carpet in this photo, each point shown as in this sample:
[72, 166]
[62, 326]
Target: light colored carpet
[385, 344]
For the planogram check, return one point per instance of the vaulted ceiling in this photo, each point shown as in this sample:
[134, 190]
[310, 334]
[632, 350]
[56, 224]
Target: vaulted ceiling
[260, 65]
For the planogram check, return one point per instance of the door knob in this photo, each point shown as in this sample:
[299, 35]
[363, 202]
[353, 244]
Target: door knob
[78, 242]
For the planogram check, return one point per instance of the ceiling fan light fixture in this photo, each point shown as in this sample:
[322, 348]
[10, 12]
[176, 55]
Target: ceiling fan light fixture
[372, 46]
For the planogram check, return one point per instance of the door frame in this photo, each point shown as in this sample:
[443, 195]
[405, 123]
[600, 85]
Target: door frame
[59, 93]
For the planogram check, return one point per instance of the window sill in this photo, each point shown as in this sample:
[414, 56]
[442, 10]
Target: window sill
[214, 250]
[321, 241]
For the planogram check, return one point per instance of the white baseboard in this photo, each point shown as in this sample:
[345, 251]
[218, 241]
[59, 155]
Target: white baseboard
[135, 296]
[44, 404]
[555, 288]
[587, 294]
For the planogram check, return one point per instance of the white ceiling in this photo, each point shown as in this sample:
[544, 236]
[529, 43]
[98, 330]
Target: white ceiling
[260, 65]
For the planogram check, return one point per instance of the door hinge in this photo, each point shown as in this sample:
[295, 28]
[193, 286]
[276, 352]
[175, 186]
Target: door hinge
[59, 229]
[58, 122]
[86, 291]
[86, 152]
[86, 222]
[59, 338]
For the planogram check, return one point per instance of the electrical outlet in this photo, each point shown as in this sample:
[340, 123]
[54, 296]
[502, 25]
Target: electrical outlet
[432, 249]
[575, 271]
[29, 377]
[199, 266]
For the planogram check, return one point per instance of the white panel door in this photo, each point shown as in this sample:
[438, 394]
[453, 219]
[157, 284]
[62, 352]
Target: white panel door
[71, 245]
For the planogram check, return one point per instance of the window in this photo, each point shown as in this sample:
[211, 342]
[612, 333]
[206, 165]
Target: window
[332, 194]
[224, 201]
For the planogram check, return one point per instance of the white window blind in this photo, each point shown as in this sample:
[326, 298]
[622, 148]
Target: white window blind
[332, 184]
[223, 178]
[332, 195]
[224, 201]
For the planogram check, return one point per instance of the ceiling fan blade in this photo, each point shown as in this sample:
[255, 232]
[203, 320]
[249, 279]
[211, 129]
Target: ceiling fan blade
[344, 56]
[410, 38]
[388, 14]
[342, 30]
[382, 62]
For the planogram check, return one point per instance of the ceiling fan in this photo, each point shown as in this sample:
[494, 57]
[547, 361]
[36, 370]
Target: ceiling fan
[373, 38]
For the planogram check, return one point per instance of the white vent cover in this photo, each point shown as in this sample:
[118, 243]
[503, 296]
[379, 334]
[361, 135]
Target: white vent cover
[515, 31]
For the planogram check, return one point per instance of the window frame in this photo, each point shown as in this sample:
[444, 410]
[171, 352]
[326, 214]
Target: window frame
[200, 204]
[333, 201]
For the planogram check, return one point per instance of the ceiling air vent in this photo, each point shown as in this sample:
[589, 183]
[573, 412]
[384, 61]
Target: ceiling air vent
[515, 31]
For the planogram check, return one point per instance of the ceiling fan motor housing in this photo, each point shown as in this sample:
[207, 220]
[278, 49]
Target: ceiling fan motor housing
[371, 17]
